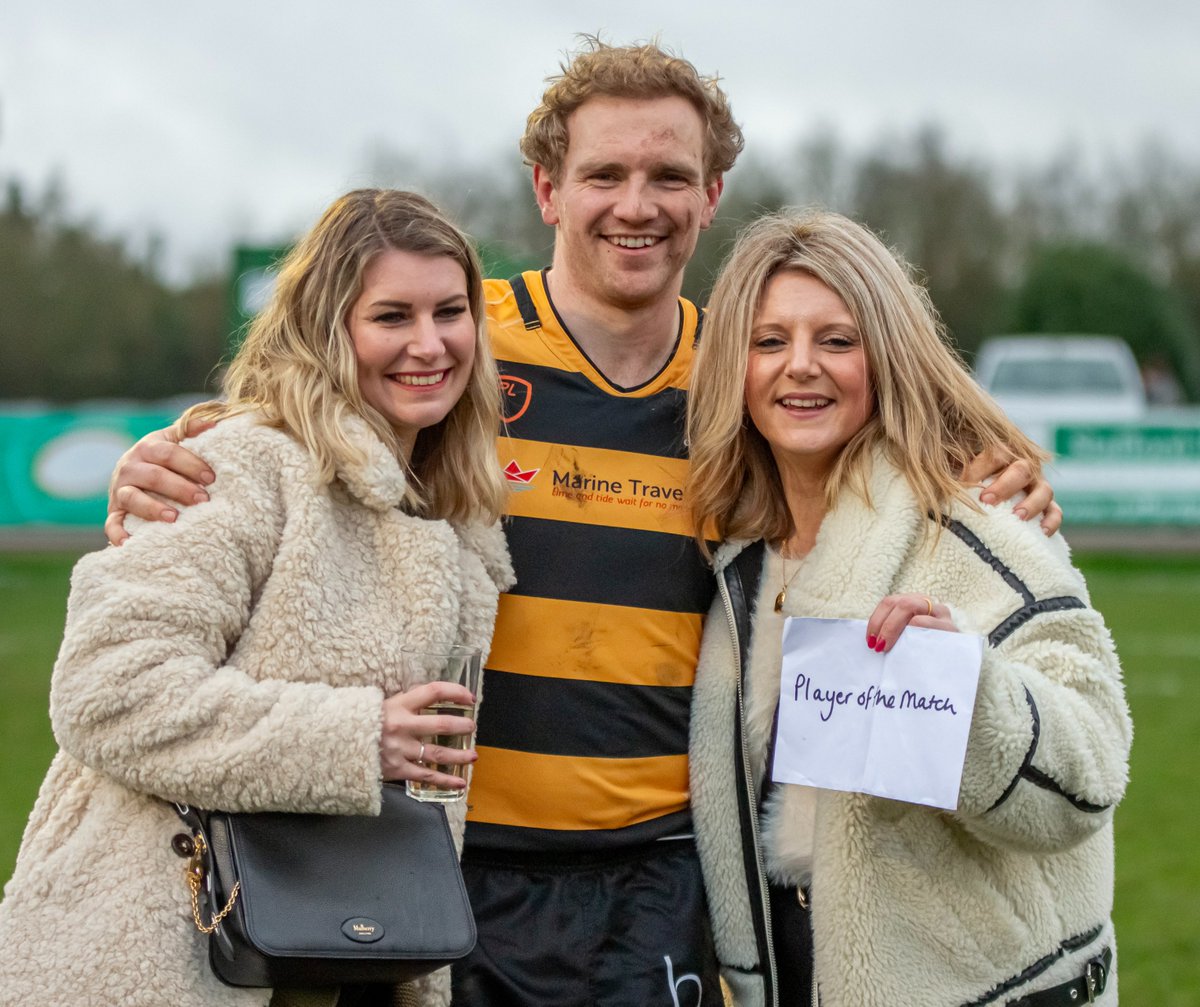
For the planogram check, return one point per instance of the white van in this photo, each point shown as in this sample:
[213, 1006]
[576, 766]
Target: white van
[1116, 460]
[1041, 381]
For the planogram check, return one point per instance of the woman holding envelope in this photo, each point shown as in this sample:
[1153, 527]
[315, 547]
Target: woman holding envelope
[829, 424]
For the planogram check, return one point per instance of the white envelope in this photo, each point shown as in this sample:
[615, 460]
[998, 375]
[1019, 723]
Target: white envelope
[892, 725]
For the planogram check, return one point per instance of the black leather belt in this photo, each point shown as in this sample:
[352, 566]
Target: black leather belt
[1083, 990]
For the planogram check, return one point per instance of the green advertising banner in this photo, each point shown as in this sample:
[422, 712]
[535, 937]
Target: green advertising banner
[1145, 508]
[251, 285]
[1137, 473]
[1128, 443]
[55, 464]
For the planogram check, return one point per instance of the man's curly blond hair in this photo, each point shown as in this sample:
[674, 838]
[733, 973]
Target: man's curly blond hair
[597, 69]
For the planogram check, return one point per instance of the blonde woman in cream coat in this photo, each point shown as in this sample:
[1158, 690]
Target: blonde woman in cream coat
[247, 657]
[828, 425]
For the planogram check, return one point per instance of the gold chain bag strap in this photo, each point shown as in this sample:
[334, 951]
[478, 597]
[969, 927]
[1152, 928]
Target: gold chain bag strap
[321, 900]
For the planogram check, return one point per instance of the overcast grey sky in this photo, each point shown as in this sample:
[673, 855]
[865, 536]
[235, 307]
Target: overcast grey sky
[219, 121]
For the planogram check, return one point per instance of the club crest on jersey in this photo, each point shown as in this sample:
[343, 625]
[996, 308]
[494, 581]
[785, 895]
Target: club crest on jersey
[515, 394]
[519, 479]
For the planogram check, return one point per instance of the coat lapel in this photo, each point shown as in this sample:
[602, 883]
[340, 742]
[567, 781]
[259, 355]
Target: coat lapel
[375, 476]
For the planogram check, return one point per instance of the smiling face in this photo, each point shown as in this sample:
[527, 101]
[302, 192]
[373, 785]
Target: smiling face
[808, 389]
[631, 200]
[414, 339]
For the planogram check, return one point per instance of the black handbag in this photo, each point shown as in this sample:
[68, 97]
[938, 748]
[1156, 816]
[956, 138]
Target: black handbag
[322, 900]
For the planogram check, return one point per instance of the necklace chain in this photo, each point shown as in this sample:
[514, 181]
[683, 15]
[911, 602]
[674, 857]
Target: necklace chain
[781, 598]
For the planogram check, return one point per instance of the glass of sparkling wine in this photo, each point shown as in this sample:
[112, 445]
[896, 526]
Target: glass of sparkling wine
[459, 665]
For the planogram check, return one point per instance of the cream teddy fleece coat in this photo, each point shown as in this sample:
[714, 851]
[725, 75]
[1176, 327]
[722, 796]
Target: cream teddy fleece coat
[236, 659]
[912, 905]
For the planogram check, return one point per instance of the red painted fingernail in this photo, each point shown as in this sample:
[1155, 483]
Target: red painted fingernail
[880, 644]
[870, 641]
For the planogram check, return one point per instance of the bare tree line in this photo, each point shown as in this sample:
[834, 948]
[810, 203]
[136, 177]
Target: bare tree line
[1067, 245]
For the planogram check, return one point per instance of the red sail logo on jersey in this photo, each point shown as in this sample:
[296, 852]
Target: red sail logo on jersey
[519, 479]
[515, 394]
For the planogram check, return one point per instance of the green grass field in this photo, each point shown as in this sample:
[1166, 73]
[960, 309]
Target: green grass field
[1152, 605]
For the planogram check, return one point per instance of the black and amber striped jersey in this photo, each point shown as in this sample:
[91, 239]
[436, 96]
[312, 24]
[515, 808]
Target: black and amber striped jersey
[583, 730]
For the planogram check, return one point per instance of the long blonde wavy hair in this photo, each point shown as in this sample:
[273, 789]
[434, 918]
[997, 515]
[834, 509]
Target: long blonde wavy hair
[930, 418]
[298, 369]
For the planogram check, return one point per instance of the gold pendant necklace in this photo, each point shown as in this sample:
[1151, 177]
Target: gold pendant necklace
[781, 598]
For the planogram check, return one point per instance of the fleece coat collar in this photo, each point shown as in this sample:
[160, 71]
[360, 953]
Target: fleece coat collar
[374, 476]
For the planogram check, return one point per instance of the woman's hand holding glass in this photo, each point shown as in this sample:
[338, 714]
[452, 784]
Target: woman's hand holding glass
[403, 755]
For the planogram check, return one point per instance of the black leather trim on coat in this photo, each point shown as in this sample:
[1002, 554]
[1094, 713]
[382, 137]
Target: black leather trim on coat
[1037, 733]
[972, 541]
[1031, 604]
[1032, 607]
[1037, 968]
[1046, 782]
[742, 577]
[1023, 615]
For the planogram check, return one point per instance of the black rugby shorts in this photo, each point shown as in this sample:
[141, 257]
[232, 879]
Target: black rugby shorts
[601, 930]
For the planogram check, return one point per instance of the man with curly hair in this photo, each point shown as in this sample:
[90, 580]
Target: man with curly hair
[579, 856]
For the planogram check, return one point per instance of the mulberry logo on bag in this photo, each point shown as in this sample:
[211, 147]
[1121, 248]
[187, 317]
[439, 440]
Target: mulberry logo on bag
[363, 930]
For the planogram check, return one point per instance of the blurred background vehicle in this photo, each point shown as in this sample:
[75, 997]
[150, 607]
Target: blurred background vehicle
[1118, 459]
[1040, 380]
